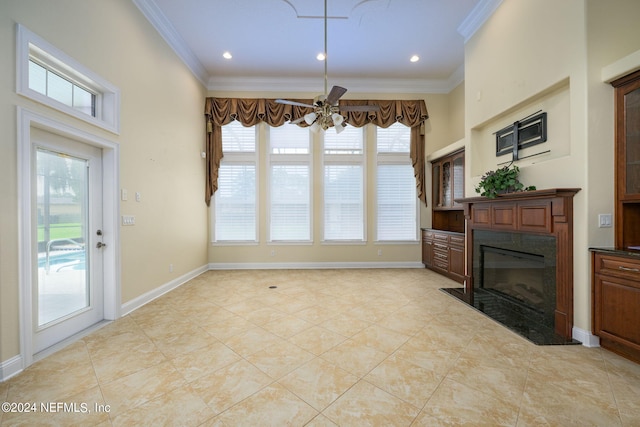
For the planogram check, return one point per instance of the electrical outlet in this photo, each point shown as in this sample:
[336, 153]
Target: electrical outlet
[128, 220]
[379, 252]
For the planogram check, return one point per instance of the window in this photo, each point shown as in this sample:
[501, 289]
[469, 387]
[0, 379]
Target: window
[47, 75]
[344, 185]
[397, 207]
[57, 87]
[236, 199]
[290, 184]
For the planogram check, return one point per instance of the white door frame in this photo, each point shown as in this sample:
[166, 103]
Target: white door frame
[110, 184]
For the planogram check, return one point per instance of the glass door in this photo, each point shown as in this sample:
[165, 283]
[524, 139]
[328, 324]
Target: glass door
[67, 292]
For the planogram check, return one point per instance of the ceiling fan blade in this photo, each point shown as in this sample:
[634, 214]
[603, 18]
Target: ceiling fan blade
[299, 104]
[296, 121]
[360, 108]
[335, 94]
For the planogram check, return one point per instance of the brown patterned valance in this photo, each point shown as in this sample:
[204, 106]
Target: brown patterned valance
[221, 111]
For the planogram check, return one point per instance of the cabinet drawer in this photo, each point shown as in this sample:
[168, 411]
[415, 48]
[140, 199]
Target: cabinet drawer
[442, 264]
[618, 266]
[441, 237]
[440, 247]
[456, 240]
[439, 255]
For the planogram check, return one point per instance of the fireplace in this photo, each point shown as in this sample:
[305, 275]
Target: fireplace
[515, 276]
[515, 281]
[519, 268]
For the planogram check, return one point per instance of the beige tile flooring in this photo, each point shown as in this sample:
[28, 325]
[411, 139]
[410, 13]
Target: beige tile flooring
[324, 348]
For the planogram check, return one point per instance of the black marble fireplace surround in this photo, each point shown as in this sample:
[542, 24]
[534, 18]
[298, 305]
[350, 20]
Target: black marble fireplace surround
[516, 283]
[519, 261]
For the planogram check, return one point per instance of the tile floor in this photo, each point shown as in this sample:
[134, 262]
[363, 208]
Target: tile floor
[324, 348]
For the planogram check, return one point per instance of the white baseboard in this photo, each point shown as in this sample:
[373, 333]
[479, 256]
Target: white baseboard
[311, 265]
[585, 337]
[10, 367]
[143, 299]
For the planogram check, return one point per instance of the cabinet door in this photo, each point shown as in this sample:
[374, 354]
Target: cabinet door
[436, 184]
[458, 179]
[427, 253]
[456, 261]
[627, 166]
[447, 184]
[629, 149]
[616, 314]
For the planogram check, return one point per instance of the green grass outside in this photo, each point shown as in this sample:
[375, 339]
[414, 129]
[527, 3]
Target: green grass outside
[61, 231]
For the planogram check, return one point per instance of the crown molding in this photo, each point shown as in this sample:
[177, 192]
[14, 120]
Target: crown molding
[355, 85]
[160, 22]
[478, 16]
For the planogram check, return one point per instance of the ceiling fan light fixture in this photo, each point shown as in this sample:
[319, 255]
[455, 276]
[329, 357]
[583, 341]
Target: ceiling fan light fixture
[310, 118]
[340, 127]
[337, 119]
[315, 127]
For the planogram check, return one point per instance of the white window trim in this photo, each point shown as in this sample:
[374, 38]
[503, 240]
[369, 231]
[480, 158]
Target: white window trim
[245, 159]
[108, 96]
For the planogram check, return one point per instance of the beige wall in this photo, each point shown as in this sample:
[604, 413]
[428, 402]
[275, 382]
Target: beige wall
[160, 141]
[455, 115]
[560, 48]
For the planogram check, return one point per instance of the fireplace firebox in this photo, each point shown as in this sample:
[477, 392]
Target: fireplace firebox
[515, 276]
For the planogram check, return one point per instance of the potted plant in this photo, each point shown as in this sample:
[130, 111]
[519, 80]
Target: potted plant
[500, 181]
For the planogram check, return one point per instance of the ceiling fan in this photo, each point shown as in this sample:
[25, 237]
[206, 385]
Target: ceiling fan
[326, 111]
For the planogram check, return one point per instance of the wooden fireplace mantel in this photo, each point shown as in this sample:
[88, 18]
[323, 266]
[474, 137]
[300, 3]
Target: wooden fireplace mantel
[543, 212]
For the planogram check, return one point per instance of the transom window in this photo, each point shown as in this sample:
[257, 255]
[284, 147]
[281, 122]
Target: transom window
[55, 86]
[51, 77]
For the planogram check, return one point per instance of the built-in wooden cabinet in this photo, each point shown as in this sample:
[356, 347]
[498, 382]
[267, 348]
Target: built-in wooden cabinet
[627, 170]
[616, 271]
[616, 296]
[443, 243]
[443, 252]
[448, 185]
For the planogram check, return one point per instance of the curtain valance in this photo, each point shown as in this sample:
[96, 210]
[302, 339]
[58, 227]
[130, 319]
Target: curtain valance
[249, 112]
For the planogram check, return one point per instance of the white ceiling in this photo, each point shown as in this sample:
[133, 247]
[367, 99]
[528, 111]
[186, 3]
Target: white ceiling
[274, 43]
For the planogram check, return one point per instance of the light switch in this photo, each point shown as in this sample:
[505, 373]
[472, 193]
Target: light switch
[138, 197]
[123, 194]
[604, 220]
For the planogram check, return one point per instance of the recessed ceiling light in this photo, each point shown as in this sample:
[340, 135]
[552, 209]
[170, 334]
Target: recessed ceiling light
[320, 57]
[415, 58]
[227, 55]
